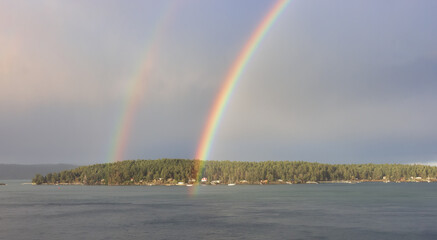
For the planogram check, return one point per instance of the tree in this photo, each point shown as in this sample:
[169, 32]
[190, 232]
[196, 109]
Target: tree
[39, 179]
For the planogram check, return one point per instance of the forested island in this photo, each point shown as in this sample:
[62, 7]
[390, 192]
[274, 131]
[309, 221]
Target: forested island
[183, 171]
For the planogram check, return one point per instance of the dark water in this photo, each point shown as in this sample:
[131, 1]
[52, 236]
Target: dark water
[323, 211]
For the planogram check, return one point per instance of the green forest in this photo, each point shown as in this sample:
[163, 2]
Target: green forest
[173, 171]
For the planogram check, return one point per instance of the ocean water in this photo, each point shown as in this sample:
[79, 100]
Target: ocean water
[323, 211]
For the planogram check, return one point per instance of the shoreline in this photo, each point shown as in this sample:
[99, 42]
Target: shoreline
[227, 184]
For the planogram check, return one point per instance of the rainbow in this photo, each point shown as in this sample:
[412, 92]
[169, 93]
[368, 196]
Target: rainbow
[136, 88]
[229, 84]
[129, 108]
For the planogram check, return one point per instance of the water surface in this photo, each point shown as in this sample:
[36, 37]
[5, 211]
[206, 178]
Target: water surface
[323, 211]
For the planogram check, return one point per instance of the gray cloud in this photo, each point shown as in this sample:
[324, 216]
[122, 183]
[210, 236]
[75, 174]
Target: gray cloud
[331, 82]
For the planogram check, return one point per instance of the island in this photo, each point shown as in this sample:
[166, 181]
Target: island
[186, 171]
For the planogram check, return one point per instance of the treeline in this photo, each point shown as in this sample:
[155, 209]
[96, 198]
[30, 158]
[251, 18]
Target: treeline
[172, 171]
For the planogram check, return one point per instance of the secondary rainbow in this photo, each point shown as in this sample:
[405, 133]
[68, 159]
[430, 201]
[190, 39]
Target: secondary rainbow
[137, 88]
[230, 82]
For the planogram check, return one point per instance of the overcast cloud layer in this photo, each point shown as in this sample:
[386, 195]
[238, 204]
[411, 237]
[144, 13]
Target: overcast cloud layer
[332, 81]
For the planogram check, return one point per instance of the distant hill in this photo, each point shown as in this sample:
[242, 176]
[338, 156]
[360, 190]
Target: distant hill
[22, 171]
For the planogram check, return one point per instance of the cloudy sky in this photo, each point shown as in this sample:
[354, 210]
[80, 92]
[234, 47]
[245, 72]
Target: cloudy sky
[332, 81]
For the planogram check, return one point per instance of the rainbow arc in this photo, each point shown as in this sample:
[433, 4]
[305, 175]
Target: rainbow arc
[229, 83]
[137, 86]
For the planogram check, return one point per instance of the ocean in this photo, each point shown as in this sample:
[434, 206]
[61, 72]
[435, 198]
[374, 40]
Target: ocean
[310, 211]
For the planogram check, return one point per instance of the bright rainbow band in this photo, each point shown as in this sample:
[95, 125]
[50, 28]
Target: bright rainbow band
[229, 84]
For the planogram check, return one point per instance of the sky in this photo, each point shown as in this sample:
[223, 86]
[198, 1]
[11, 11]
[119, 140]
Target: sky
[332, 81]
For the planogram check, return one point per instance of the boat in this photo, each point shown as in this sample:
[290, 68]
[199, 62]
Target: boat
[231, 184]
[189, 185]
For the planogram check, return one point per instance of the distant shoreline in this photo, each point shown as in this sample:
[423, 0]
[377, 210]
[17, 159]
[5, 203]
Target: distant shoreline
[241, 184]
